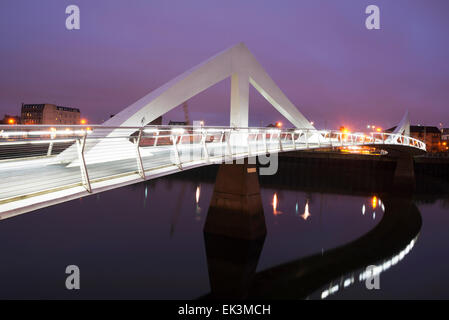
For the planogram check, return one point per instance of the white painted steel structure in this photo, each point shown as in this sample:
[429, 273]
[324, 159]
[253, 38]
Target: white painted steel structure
[42, 165]
[33, 174]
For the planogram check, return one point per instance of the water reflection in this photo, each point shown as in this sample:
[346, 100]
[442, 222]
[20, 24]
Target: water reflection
[398, 229]
[197, 203]
[306, 213]
[366, 273]
[136, 233]
[275, 203]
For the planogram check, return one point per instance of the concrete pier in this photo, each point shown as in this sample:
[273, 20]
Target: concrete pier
[236, 207]
[404, 174]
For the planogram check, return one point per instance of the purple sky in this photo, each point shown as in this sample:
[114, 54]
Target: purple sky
[319, 53]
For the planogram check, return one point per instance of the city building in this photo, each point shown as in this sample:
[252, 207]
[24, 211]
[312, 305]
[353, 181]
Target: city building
[7, 119]
[49, 114]
[445, 134]
[430, 135]
[445, 139]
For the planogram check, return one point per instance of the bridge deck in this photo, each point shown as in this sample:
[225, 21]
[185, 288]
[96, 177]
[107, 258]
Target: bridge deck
[102, 161]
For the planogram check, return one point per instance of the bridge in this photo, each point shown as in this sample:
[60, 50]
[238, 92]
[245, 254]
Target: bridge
[44, 165]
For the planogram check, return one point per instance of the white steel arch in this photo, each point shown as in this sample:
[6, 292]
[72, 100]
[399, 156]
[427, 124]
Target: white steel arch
[236, 62]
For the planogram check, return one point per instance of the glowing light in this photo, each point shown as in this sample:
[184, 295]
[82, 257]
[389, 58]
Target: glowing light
[306, 213]
[11, 121]
[279, 124]
[312, 123]
[197, 194]
[363, 209]
[374, 202]
[83, 121]
[275, 204]
[378, 129]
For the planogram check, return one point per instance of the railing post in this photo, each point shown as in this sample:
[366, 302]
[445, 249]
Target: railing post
[319, 139]
[307, 138]
[221, 143]
[80, 144]
[138, 156]
[330, 139]
[248, 142]
[293, 140]
[203, 143]
[280, 141]
[155, 139]
[228, 143]
[175, 146]
[265, 142]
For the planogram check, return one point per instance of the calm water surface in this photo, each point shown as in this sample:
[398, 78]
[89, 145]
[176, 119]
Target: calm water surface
[146, 241]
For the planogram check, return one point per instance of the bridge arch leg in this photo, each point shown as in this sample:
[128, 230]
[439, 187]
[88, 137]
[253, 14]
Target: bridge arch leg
[239, 99]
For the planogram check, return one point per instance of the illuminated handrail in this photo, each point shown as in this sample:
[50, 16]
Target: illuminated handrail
[36, 160]
[26, 134]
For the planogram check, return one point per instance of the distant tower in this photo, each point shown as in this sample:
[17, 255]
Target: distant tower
[185, 107]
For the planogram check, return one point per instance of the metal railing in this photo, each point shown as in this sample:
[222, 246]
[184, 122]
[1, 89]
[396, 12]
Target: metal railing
[35, 160]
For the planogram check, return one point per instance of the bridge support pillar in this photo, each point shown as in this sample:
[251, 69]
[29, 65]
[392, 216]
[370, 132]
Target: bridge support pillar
[404, 175]
[236, 207]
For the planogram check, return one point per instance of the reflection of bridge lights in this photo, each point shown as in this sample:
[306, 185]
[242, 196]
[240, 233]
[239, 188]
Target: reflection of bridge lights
[374, 202]
[363, 209]
[368, 273]
[374, 215]
[197, 194]
[275, 204]
[197, 200]
[306, 213]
